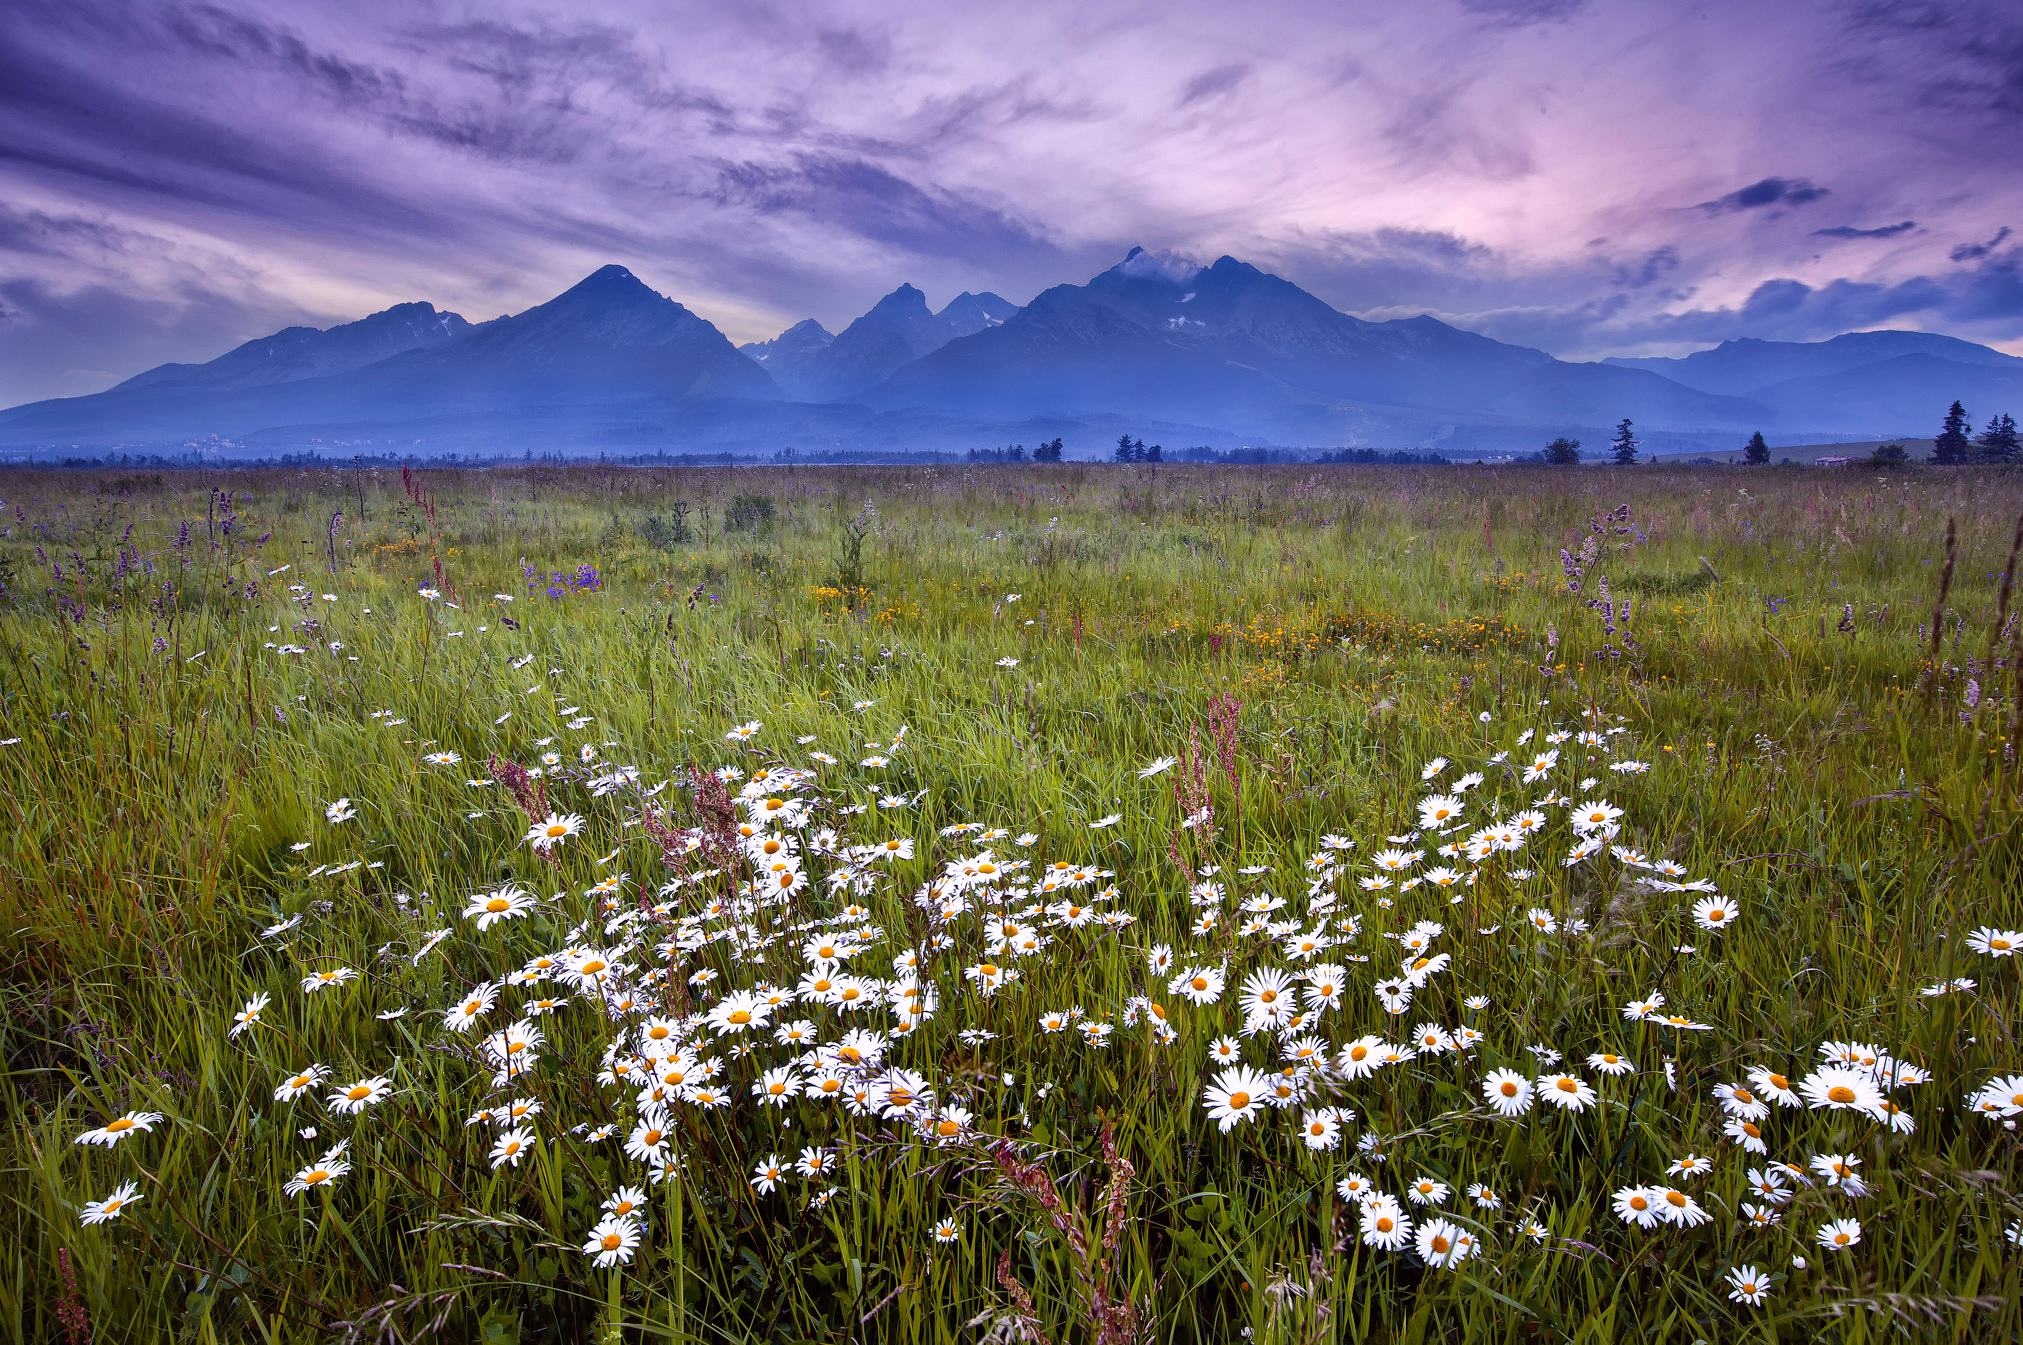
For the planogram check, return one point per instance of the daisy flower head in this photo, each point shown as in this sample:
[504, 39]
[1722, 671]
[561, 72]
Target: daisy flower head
[1747, 1284]
[511, 1147]
[1774, 1086]
[354, 1098]
[1444, 1245]
[553, 830]
[1714, 913]
[1678, 1208]
[947, 1230]
[322, 1172]
[1637, 1205]
[112, 1132]
[612, 1242]
[1841, 1089]
[1235, 1096]
[1509, 1092]
[1384, 1224]
[1995, 942]
[768, 1173]
[295, 1085]
[1438, 811]
[1426, 1191]
[249, 1017]
[505, 903]
[1607, 1062]
[1839, 1235]
[744, 732]
[1321, 1130]
[1566, 1092]
[815, 1162]
[340, 811]
[108, 1209]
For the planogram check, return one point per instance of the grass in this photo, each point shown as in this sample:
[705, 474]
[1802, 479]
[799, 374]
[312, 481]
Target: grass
[1305, 640]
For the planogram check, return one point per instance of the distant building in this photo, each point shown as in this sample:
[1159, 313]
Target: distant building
[1831, 462]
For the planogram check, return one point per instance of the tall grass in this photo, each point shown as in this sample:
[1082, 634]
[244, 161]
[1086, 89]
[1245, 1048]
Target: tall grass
[1836, 754]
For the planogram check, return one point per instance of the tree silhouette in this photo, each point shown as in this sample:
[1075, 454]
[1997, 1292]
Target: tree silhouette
[1623, 448]
[1952, 444]
[1999, 442]
[1563, 452]
[1756, 450]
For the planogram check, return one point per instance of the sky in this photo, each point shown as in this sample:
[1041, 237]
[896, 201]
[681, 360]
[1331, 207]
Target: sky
[1590, 177]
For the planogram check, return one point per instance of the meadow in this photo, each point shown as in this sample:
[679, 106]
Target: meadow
[1010, 903]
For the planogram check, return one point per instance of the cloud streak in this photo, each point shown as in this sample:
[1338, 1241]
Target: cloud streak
[178, 176]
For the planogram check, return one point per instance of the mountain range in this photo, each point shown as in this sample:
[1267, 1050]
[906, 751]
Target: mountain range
[1221, 355]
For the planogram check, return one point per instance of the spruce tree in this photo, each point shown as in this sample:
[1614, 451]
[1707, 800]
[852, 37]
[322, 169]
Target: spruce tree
[1952, 444]
[1623, 448]
[1756, 450]
[1999, 442]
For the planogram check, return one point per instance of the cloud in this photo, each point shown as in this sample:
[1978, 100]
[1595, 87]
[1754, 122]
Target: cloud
[1969, 252]
[190, 173]
[1160, 265]
[1208, 83]
[1849, 231]
[1770, 191]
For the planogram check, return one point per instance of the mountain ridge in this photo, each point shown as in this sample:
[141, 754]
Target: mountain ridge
[1226, 353]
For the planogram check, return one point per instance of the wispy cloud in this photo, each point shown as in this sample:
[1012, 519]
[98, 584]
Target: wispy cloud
[180, 174]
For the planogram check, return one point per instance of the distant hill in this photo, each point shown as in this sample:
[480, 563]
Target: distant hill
[1224, 356]
[1739, 368]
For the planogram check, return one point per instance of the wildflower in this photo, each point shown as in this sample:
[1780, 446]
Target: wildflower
[108, 1209]
[1842, 1090]
[1637, 1205]
[1689, 1167]
[112, 1132]
[1839, 1235]
[1609, 1063]
[1321, 1130]
[340, 811]
[1426, 1191]
[1153, 768]
[1109, 821]
[1676, 1207]
[1747, 1134]
[554, 830]
[612, 1242]
[1565, 1091]
[505, 903]
[744, 732]
[511, 1147]
[947, 1230]
[814, 1162]
[1774, 1086]
[1384, 1224]
[1995, 942]
[1762, 1216]
[1235, 1096]
[1438, 811]
[355, 1098]
[1714, 913]
[248, 1017]
[1839, 1170]
[1509, 1092]
[768, 1174]
[295, 1085]
[322, 1172]
[1355, 1187]
[1748, 1285]
[1443, 1244]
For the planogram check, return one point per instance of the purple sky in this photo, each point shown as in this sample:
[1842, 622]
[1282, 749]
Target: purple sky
[1587, 176]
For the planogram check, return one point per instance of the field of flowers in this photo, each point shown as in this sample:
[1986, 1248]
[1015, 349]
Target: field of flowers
[1080, 903]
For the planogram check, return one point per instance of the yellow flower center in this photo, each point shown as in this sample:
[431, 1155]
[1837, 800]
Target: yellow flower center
[947, 1128]
[317, 1176]
[121, 1124]
[358, 1093]
[1675, 1200]
[1508, 1089]
[1840, 1093]
[1238, 1101]
[1385, 1224]
[497, 904]
[1440, 1246]
[612, 1242]
[739, 1017]
[1567, 1086]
